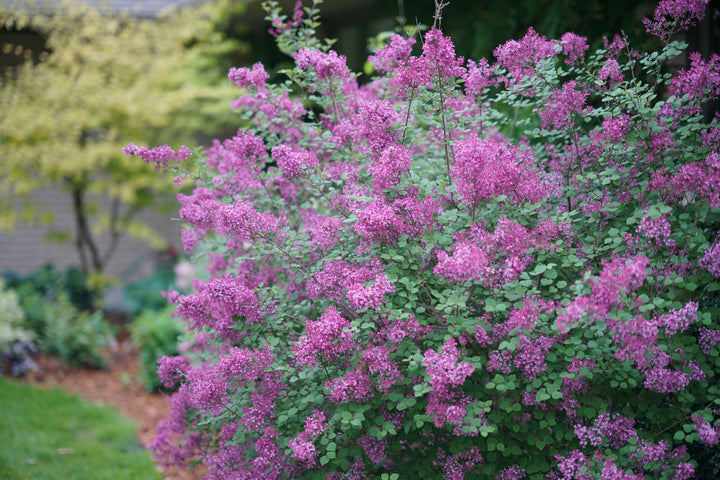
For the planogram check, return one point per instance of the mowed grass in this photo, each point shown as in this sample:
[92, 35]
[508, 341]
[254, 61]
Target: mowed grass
[48, 434]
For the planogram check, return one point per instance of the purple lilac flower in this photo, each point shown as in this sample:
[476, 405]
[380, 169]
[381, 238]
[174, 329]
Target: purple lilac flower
[159, 157]
[574, 47]
[670, 14]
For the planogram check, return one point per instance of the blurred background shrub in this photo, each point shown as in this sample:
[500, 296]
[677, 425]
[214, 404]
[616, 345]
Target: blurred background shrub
[155, 333]
[17, 347]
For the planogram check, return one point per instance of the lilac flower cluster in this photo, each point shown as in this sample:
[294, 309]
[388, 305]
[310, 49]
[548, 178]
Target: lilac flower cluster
[574, 47]
[327, 66]
[563, 106]
[247, 78]
[671, 14]
[302, 446]
[392, 55]
[159, 157]
[615, 431]
[711, 259]
[445, 403]
[708, 435]
[491, 168]
[455, 466]
[293, 163]
[329, 337]
[520, 57]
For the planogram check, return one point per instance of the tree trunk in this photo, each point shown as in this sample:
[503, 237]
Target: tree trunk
[84, 240]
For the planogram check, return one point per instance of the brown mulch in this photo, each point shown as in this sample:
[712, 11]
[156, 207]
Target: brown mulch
[117, 385]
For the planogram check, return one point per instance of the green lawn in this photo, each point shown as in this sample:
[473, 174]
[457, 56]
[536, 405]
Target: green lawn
[48, 434]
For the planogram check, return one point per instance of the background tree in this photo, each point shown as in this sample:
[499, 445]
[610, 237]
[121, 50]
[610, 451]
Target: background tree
[100, 81]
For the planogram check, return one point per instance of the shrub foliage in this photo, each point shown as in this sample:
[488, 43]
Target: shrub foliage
[499, 268]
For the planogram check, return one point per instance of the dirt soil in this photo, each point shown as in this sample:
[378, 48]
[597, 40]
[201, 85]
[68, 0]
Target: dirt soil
[118, 386]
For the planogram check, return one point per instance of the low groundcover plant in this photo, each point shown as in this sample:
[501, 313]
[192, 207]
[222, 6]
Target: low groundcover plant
[462, 269]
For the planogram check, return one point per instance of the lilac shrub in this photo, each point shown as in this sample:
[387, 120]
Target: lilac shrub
[487, 268]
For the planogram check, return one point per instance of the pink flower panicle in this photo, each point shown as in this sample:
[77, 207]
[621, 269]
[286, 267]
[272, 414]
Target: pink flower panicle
[614, 431]
[708, 435]
[327, 66]
[667, 381]
[237, 220]
[394, 161]
[671, 14]
[526, 317]
[439, 53]
[572, 466]
[574, 47]
[280, 27]
[710, 260]
[530, 355]
[369, 296]
[172, 369]
[378, 222]
[316, 423]
[708, 339]
[520, 57]
[491, 168]
[250, 79]
[692, 180]
[243, 150]
[375, 128]
[577, 309]
[700, 82]
[479, 76]
[652, 452]
[657, 230]
[614, 47]
[443, 368]
[355, 386]
[378, 362]
[173, 444]
[684, 471]
[396, 331]
[679, 320]
[159, 157]
[456, 466]
[493, 259]
[563, 106]
[330, 337]
[221, 303]
[374, 448]
[610, 73]
[610, 471]
[209, 385]
[613, 130]
[501, 361]
[618, 277]
[511, 473]
[445, 403]
[241, 221]
[294, 163]
[303, 451]
[323, 231]
[393, 54]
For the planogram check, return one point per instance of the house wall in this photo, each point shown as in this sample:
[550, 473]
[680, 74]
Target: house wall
[25, 249]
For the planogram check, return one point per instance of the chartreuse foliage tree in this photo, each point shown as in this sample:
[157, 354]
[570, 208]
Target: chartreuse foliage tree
[500, 268]
[101, 81]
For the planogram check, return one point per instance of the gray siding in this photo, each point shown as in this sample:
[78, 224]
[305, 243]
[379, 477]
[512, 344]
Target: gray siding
[26, 250]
